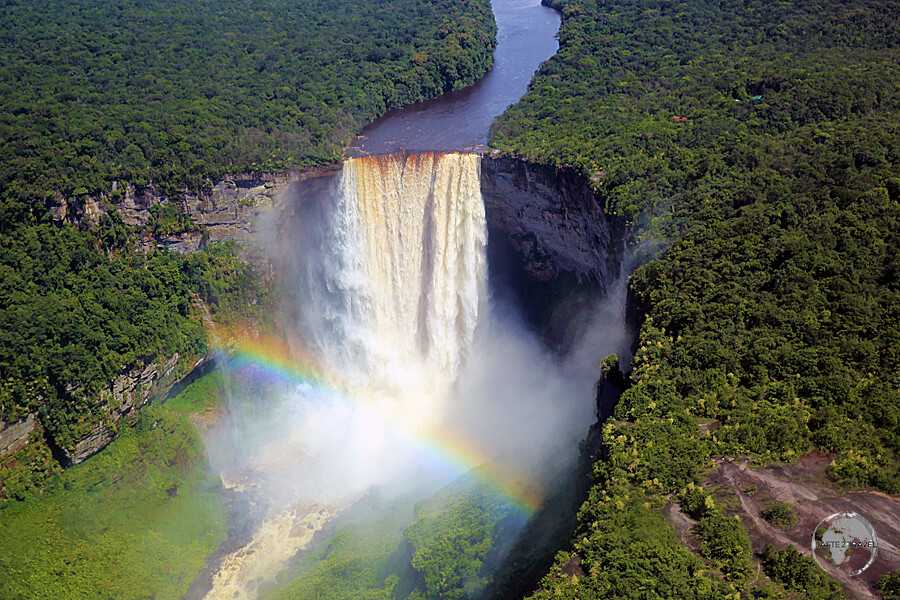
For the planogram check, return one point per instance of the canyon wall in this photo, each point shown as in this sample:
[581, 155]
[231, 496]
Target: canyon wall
[125, 396]
[227, 210]
[552, 247]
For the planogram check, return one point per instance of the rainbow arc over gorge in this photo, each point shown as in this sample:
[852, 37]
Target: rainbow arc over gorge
[273, 356]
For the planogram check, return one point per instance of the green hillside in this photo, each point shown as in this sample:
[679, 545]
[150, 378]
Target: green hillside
[137, 521]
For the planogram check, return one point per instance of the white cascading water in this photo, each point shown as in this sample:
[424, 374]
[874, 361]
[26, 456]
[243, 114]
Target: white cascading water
[404, 281]
[393, 284]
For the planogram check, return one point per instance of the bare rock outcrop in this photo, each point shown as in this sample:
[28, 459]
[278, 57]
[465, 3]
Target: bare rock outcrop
[227, 210]
[14, 436]
[552, 246]
[124, 397]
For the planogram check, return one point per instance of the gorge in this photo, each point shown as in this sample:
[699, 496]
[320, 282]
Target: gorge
[413, 287]
[405, 275]
[449, 299]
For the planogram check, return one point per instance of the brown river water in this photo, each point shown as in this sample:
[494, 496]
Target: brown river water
[526, 37]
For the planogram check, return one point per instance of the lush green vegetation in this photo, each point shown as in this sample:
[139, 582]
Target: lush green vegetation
[440, 548]
[780, 514]
[176, 92]
[75, 314]
[136, 521]
[889, 586]
[724, 541]
[630, 552]
[760, 141]
[453, 536]
[799, 573]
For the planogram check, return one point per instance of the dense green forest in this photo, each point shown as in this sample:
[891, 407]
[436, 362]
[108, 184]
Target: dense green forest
[74, 317]
[178, 92]
[759, 143]
[756, 143]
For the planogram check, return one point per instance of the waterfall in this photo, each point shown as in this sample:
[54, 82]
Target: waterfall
[390, 269]
[404, 278]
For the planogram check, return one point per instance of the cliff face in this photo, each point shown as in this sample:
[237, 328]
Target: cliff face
[229, 210]
[122, 400]
[551, 245]
[14, 436]
[125, 396]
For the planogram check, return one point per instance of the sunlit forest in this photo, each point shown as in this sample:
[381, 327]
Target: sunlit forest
[750, 151]
[176, 93]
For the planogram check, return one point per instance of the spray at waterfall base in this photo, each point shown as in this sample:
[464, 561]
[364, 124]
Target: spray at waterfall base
[397, 371]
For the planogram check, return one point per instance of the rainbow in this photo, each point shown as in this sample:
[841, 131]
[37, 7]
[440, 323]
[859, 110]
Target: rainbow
[273, 356]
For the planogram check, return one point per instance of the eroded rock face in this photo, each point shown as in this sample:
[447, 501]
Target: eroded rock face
[14, 436]
[229, 210]
[551, 245]
[125, 396]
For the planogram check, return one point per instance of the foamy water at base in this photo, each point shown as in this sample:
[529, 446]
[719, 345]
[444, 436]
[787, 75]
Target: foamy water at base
[277, 540]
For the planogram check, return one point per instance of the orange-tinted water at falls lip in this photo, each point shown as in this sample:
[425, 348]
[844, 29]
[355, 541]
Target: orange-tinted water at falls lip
[526, 37]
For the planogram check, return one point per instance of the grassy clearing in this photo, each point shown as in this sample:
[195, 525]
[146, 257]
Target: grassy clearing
[136, 521]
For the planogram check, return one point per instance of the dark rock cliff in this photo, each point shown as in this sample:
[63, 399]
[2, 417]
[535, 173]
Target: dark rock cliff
[551, 245]
[125, 396]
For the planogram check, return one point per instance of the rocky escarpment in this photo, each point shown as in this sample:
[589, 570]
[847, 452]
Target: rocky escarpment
[120, 403]
[14, 435]
[229, 210]
[123, 399]
[551, 245]
[232, 209]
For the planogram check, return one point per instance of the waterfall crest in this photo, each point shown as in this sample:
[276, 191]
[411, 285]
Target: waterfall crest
[405, 277]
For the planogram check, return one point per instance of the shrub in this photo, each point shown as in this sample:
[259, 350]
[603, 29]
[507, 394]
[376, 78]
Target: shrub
[725, 542]
[889, 586]
[799, 573]
[781, 515]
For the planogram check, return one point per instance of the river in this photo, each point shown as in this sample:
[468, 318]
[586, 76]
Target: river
[526, 37]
